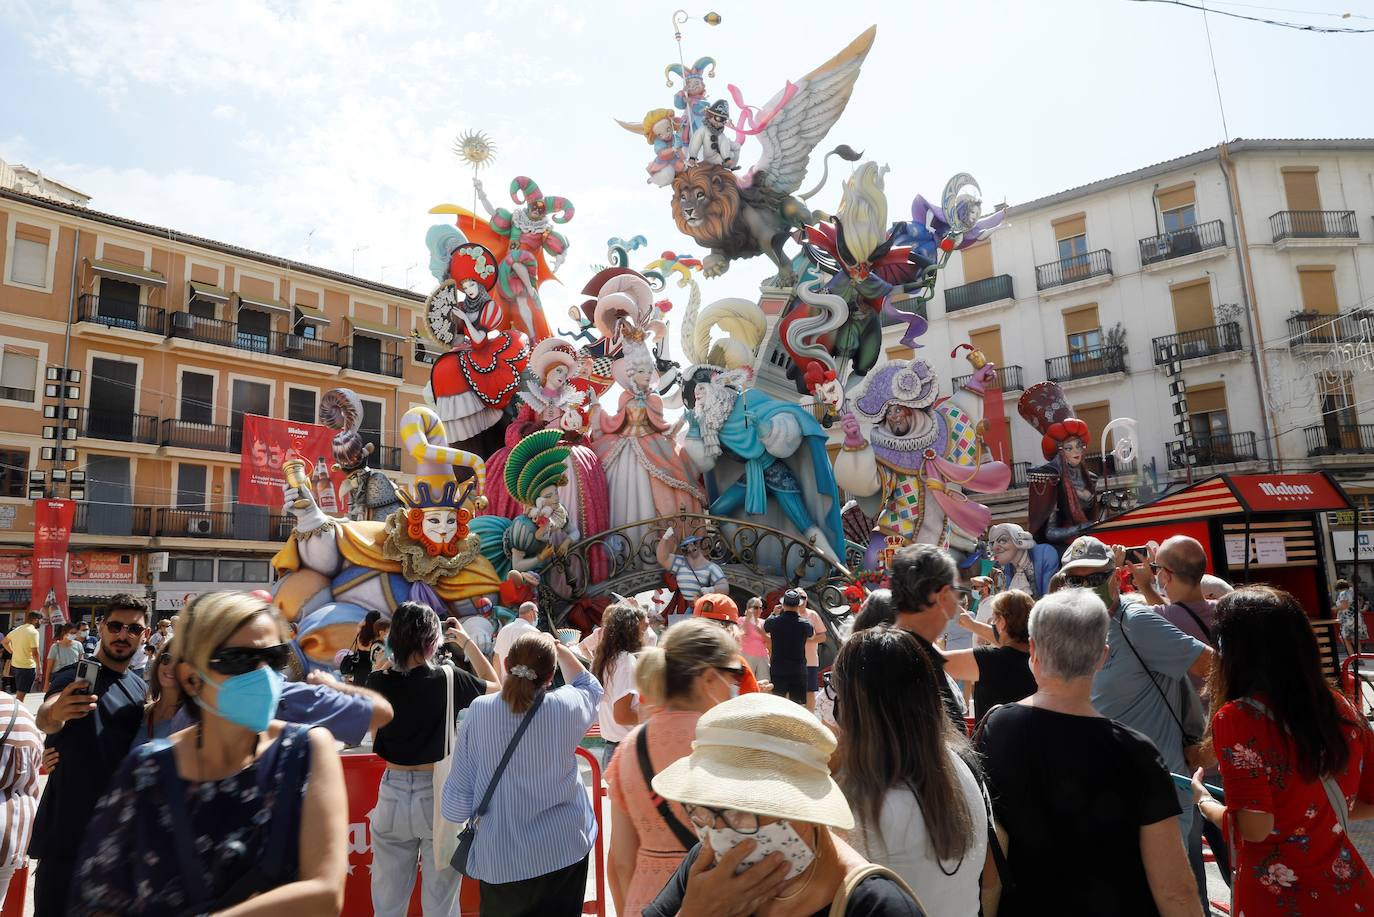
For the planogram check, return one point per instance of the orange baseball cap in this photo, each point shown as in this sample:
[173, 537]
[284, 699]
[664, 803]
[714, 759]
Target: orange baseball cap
[717, 606]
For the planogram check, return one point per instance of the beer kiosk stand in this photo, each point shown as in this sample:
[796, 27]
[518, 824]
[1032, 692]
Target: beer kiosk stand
[1256, 528]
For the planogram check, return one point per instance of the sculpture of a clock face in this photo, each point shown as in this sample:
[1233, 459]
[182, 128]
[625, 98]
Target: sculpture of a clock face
[439, 311]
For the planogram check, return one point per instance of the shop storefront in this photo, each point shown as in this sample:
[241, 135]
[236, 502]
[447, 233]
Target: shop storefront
[92, 578]
[189, 575]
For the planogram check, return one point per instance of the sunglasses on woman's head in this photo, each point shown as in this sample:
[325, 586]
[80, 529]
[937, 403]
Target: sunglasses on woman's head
[118, 627]
[236, 660]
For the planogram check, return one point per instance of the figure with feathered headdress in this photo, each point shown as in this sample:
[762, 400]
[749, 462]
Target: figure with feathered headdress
[534, 471]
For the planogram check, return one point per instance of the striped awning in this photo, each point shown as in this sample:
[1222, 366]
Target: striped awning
[1212, 497]
[377, 329]
[263, 302]
[312, 315]
[136, 275]
[1225, 495]
[207, 292]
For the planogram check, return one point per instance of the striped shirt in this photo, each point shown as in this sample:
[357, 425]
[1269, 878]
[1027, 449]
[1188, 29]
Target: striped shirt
[540, 819]
[691, 583]
[21, 755]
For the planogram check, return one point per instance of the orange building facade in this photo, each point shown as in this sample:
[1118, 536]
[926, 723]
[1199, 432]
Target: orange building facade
[139, 350]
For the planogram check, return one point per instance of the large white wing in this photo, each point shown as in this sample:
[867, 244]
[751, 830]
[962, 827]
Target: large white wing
[807, 117]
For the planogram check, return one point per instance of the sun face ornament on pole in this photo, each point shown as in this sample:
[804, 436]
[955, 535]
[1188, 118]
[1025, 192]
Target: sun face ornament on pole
[476, 151]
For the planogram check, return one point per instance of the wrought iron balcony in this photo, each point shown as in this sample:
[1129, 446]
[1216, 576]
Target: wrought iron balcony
[1008, 379]
[979, 292]
[119, 313]
[388, 458]
[384, 362]
[1314, 224]
[113, 519]
[269, 343]
[122, 428]
[1318, 329]
[10, 393]
[1200, 342]
[183, 434]
[1187, 241]
[1340, 439]
[1074, 269]
[1019, 471]
[1213, 449]
[1096, 361]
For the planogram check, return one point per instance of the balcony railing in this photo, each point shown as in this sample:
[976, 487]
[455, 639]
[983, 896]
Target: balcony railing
[1308, 329]
[119, 313]
[1019, 470]
[183, 434]
[978, 292]
[385, 363]
[1214, 449]
[176, 522]
[1200, 342]
[1096, 361]
[388, 458]
[1106, 464]
[270, 343]
[9, 393]
[1314, 224]
[1072, 270]
[1187, 241]
[1008, 379]
[113, 519]
[121, 428]
[1340, 439]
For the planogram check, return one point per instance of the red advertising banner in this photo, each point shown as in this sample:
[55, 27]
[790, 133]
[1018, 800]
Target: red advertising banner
[1268, 493]
[52, 530]
[269, 443]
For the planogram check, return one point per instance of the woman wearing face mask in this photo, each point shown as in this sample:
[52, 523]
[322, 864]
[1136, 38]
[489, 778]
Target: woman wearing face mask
[1000, 672]
[418, 690]
[238, 813]
[613, 664]
[532, 840]
[693, 669]
[907, 773]
[757, 789]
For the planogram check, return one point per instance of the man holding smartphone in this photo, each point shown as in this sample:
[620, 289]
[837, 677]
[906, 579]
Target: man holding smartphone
[92, 726]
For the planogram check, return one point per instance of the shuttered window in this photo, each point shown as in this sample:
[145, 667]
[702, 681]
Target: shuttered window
[29, 262]
[1176, 197]
[1300, 188]
[1081, 320]
[191, 486]
[1318, 285]
[989, 341]
[977, 260]
[197, 398]
[1193, 305]
[1203, 399]
[1096, 415]
[1070, 226]
[18, 376]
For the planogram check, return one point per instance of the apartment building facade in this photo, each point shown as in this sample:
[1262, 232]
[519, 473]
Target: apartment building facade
[169, 340]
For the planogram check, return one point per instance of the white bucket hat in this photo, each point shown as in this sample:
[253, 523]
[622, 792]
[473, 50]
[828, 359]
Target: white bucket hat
[763, 754]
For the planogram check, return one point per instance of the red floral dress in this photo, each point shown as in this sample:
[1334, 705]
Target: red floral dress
[1307, 865]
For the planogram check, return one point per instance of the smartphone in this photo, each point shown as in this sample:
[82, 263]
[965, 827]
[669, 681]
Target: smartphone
[1186, 783]
[1138, 554]
[88, 670]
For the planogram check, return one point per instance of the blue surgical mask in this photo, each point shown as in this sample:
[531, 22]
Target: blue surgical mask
[248, 700]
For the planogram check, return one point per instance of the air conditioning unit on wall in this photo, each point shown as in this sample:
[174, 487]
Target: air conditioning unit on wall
[199, 525]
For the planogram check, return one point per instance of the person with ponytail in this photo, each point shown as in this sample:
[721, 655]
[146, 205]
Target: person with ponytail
[613, 664]
[531, 843]
[694, 667]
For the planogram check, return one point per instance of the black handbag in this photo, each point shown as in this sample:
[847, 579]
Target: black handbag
[469, 832]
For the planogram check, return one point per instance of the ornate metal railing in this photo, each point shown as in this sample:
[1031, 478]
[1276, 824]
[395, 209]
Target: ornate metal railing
[1200, 342]
[1094, 361]
[1213, 449]
[1308, 329]
[756, 558]
[1314, 224]
[1340, 439]
[1187, 241]
[1073, 269]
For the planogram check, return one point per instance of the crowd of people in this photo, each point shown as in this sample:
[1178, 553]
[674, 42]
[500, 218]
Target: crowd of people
[1117, 723]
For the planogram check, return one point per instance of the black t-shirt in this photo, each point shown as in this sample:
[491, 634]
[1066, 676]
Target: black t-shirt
[1061, 783]
[789, 634]
[415, 734]
[91, 748]
[953, 707]
[876, 896]
[1004, 677]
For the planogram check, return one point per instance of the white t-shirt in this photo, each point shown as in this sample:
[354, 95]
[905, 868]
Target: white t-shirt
[620, 681]
[904, 847]
[507, 635]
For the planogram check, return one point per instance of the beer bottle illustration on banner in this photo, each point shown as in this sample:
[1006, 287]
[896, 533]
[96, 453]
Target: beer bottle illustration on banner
[324, 488]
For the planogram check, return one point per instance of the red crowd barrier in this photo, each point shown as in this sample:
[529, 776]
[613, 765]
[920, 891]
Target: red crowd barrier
[18, 892]
[362, 774]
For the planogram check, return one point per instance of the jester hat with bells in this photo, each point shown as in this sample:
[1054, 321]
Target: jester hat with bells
[436, 487]
[523, 190]
[536, 463]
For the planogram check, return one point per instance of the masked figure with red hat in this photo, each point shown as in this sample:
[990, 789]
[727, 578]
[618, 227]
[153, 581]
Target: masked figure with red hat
[1063, 493]
[472, 383]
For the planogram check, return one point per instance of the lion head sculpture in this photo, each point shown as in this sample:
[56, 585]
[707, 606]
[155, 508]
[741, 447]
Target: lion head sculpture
[706, 203]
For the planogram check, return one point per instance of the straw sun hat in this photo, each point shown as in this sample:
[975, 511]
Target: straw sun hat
[763, 754]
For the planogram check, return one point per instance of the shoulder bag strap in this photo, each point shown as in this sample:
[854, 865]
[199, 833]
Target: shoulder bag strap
[1149, 673]
[856, 877]
[686, 838]
[505, 759]
[1207, 631]
[449, 714]
[1333, 790]
[14, 714]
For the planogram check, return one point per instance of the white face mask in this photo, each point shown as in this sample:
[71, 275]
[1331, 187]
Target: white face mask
[730, 686]
[779, 836]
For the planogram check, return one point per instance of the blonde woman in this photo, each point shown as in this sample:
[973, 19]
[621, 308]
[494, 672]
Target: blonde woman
[695, 667]
[238, 811]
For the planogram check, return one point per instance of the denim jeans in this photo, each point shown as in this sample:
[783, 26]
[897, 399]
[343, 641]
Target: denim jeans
[402, 838]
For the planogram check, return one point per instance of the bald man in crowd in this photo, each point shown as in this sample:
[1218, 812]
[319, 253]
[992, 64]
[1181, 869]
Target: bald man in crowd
[1178, 567]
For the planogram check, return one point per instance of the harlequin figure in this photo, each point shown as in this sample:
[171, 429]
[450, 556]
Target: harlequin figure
[472, 383]
[691, 98]
[1063, 493]
[530, 230]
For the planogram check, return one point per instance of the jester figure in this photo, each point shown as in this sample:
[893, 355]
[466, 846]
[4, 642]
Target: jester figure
[691, 98]
[921, 454]
[529, 229]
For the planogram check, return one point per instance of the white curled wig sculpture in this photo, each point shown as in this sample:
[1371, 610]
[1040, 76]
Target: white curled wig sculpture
[759, 455]
[921, 454]
[333, 572]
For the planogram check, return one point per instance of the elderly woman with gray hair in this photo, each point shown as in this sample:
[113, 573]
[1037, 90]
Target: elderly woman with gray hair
[1093, 785]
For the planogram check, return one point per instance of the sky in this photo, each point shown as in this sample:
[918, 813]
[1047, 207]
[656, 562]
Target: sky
[323, 131]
